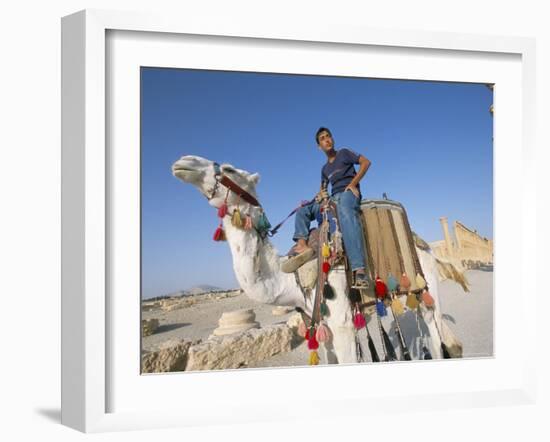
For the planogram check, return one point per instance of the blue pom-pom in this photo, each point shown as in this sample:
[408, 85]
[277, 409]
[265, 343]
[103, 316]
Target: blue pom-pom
[392, 283]
[381, 309]
[263, 224]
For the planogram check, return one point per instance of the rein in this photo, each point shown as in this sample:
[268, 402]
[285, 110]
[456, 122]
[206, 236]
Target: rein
[273, 231]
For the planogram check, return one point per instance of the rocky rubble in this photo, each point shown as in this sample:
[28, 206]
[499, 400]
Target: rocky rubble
[231, 351]
[241, 349]
[149, 326]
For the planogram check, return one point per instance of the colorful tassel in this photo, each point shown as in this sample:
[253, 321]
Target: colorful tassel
[222, 211]
[420, 281]
[405, 282]
[326, 267]
[324, 309]
[323, 333]
[236, 218]
[219, 234]
[380, 287]
[325, 251]
[381, 309]
[392, 283]
[328, 293]
[397, 306]
[412, 301]
[312, 343]
[302, 329]
[313, 358]
[248, 222]
[263, 224]
[306, 336]
[359, 321]
[427, 299]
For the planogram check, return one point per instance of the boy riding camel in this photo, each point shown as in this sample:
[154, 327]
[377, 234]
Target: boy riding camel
[340, 172]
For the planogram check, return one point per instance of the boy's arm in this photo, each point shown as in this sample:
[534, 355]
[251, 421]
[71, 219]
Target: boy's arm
[364, 164]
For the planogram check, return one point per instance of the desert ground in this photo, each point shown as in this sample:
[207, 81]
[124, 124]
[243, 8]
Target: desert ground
[194, 317]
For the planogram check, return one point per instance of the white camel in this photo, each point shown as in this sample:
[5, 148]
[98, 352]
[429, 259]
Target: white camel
[257, 267]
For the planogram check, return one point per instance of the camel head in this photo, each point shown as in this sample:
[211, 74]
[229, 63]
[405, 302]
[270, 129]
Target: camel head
[202, 174]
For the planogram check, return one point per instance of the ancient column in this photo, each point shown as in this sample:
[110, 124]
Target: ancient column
[236, 321]
[444, 223]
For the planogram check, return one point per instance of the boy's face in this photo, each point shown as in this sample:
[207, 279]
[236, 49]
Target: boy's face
[326, 143]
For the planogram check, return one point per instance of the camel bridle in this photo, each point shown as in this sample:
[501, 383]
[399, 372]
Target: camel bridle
[224, 180]
[238, 190]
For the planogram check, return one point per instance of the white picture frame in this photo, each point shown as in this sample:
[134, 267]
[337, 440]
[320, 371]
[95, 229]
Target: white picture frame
[87, 317]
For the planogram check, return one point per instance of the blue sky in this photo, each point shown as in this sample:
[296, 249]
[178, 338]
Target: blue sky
[430, 144]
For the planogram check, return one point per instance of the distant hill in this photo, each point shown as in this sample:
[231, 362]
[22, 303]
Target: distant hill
[196, 290]
[202, 288]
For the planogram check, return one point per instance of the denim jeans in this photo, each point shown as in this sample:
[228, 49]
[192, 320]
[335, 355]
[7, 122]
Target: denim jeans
[347, 205]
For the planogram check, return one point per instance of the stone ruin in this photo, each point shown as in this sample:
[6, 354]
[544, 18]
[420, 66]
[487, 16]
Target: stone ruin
[235, 322]
[246, 345]
[467, 249]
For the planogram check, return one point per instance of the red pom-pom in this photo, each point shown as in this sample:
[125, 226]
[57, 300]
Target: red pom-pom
[380, 287]
[222, 211]
[219, 234]
[359, 321]
[312, 343]
[306, 336]
[326, 267]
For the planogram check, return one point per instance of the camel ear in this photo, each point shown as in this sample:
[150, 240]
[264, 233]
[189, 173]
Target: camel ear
[254, 178]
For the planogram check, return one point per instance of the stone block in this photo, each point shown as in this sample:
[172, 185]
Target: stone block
[240, 350]
[172, 356]
[149, 326]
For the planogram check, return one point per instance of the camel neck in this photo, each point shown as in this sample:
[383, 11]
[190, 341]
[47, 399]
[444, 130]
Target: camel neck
[257, 268]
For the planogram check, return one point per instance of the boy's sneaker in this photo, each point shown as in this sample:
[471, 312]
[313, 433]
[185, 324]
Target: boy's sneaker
[293, 263]
[361, 281]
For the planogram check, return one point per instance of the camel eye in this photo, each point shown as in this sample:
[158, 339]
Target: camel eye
[227, 169]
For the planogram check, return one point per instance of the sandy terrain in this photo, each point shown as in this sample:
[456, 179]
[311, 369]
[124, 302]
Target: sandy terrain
[469, 315]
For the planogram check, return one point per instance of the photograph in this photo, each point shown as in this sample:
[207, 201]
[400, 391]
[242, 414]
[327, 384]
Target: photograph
[303, 220]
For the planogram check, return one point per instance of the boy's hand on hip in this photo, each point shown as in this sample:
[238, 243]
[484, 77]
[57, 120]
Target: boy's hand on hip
[353, 189]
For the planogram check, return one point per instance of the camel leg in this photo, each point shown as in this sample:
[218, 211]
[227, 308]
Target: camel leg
[340, 320]
[344, 344]
[330, 353]
[429, 266]
[433, 335]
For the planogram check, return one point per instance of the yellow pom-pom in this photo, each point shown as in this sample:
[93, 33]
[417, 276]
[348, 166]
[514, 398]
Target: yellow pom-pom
[236, 219]
[313, 358]
[420, 282]
[326, 250]
[397, 306]
[412, 302]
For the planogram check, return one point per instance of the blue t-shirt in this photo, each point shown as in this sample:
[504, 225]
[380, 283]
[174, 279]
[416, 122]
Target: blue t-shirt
[341, 171]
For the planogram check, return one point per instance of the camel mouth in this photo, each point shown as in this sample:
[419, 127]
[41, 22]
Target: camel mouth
[185, 172]
[181, 168]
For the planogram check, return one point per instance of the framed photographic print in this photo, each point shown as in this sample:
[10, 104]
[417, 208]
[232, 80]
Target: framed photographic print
[185, 148]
